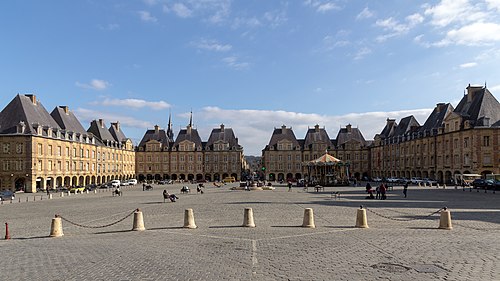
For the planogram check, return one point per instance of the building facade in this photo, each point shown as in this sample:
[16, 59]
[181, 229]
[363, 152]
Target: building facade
[284, 157]
[459, 140]
[188, 158]
[42, 150]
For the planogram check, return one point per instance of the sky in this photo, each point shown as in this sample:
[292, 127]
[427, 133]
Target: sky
[252, 65]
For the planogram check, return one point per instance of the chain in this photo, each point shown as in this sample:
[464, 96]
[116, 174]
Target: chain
[99, 226]
[400, 219]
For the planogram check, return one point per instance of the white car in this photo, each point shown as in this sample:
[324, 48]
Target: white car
[132, 182]
[115, 183]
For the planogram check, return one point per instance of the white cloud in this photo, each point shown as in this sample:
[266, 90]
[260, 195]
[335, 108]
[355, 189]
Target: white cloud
[468, 65]
[134, 103]
[475, 34]
[88, 115]
[493, 4]
[95, 84]
[365, 14]
[110, 27]
[362, 53]
[181, 10]
[322, 6]
[212, 45]
[146, 16]
[234, 63]
[150, 2]
[254, 133]
[454, 11]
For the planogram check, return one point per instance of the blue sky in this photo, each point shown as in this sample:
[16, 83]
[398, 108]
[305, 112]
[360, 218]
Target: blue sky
[252, 65]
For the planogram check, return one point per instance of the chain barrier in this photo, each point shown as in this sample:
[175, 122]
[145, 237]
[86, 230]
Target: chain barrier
[99, 226]
[401, 219]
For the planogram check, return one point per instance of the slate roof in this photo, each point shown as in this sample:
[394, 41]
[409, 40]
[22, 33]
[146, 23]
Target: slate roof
[223, 134]
[189, 134]
[478, 104]
[317, 135]
[406, 125]
[283, 133]
[158, 135]
[117, 132]
[23, 109]
[389, 128]
[67, 120]
[347, 134]
[435, 120]
[98, 128]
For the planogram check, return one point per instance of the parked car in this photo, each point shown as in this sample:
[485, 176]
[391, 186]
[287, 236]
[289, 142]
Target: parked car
[115, 183]
[482, 183]
[125, 183]
[377, 179]
[7, 195]
[132, 181]
[77, 189]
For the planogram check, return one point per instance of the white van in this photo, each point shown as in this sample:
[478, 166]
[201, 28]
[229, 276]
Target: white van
[132, 181]
[115, 183]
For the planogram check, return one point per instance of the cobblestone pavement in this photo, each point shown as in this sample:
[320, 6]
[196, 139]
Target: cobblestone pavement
[402, 243]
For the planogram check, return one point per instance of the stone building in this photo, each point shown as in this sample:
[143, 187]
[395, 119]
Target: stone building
[42, 150]
[159, 157]
[465, 139]
[284, 156]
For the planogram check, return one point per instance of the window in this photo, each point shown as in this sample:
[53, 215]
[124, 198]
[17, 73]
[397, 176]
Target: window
[49, 165]
[49, 152]
[40, 149]
[40, 166]
[59, 151]
[486, 141]
[74, 152]
[466, 142]
[19, 148]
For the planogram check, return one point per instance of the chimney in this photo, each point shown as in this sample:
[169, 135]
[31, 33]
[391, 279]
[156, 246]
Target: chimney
[157, 129]
[32, 98]
[222, 127]
[440, 107]
[65, 108]
[283, 129]
[471, 91]
[117, 126]
[101, 123]
[349, 128]
[316, 128]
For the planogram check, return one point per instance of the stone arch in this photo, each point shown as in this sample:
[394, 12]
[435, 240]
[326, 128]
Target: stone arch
[40, 183]
[298, 176]
[272, 177]
[217, 177]
[281, 176]
[208, 177]
[190, 177]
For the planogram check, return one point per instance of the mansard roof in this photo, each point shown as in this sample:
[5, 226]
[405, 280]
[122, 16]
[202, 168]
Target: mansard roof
[389, 128]
[155, 134]
[116, 131]
[223, 134]
[435, 120]
[317, 135]
[189, 134]
[67, 120]
[99, 129]
[406, 125]
[26, 109]
[348, 134]
[283, 133]
[477, 105]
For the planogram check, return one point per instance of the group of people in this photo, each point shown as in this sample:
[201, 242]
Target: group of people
[380, 190]
[168, 196]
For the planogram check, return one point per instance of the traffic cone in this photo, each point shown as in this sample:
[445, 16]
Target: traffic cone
[308, 218]
[248, 218]
[138, 221]
[445, 219]
[189, 219]
[361, 221]
[56, 227]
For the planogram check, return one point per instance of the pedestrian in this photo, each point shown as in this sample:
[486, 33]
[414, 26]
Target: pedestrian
[48, 191]
[143, 186]
[383, 189]
[405, 189]
[377, 189]
[289, 186]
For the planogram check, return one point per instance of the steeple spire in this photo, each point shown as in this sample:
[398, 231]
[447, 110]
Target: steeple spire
[170, 132]
[191, 119]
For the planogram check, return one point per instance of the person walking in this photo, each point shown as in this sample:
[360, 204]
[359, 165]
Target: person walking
[383, 189]
[289, 186]
[405, 189]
